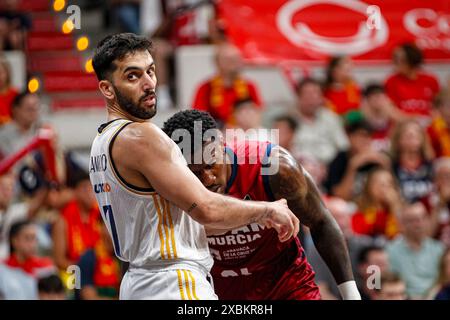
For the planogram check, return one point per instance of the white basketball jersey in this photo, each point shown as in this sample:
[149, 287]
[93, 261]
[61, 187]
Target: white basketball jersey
[147, 230]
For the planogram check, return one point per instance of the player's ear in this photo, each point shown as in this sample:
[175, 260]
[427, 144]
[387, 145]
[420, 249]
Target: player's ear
[106, 89]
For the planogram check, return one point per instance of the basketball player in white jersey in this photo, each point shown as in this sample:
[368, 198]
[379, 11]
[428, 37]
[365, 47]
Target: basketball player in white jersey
[155, 209]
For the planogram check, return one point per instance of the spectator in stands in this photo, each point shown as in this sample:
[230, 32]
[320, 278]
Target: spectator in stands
[441, 290]
[51, 288]
[24, 125]
[439, 201]
[76, 230]
[219, 94]
[439, 130]
[392, 287]
[287, 127]
[247, 115]
[13, 26]
[341, 211]
[378, 205]
[127, 14]
[410, 88]
[411, 155]
[23, 251]
[379, 111]
[12, 212]
[321, 133]
[7, 92]
[347, 171]
[171, 24]
[340, 88]
[16, 284]
[371, 260]
[100, 270]
[414, 255]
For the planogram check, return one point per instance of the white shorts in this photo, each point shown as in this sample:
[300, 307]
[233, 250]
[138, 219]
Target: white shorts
[178, 284]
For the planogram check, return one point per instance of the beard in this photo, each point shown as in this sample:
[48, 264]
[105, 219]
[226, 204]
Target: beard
[134, 109]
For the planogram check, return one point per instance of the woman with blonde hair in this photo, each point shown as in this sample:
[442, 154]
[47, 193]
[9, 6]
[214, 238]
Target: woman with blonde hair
[411, 155]
[378, 205]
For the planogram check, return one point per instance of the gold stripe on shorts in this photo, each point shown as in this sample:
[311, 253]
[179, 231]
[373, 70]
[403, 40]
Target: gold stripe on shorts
[186, 281]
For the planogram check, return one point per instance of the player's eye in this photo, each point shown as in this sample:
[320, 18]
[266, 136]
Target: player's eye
[132, 76]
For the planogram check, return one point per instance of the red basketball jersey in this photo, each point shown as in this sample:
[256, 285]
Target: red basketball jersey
[250, 262]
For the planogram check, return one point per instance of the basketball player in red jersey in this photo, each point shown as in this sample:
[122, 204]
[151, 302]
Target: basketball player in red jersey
[249, 262]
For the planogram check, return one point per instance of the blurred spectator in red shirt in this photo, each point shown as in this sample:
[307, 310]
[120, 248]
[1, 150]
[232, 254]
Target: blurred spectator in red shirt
[411, 89]
[23, 250]
[347, 171]
[392, 287]
[441, 290]
[439, 201]
[411, 155]
[7, 93]
[379, 111]
[219, 94]
[77, 229]
[439, 130]
[100, 269]
[378, 206]
[340, 89]
[286, 126]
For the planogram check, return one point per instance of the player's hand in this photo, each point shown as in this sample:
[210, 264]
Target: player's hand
[281, 218]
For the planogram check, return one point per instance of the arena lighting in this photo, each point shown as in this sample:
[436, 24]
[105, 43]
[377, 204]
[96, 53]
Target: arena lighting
[33, 85]
[82, 43]
[58, 5]
[67, 26]
[88, 66]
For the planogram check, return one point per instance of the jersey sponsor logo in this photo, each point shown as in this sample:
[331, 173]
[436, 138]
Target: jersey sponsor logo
[98, 163]
[239, 236]
[102, 187]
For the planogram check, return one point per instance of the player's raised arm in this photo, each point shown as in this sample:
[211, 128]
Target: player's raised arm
[294, 184]
[158, 159]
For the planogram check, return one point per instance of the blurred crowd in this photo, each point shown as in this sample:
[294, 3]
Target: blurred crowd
[380, 154]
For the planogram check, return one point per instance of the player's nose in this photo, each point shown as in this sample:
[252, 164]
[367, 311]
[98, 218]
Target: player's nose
[149, 83]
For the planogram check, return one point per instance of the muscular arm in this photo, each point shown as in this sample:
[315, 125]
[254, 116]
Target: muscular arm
[157, 158]
[296, 186]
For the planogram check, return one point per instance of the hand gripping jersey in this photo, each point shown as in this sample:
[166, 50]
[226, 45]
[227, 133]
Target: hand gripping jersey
[148, 231]
[250, 262]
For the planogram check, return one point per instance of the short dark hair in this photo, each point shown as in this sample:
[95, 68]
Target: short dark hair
[292, 123]
[356, 125]
[363, 255]
[15, 229]
[373, 88]
[241, 102]
[51, 284]
[413, 54]
[75, 176]
[185, 120]
[116, 47]
[17, 101]
[305, 81]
